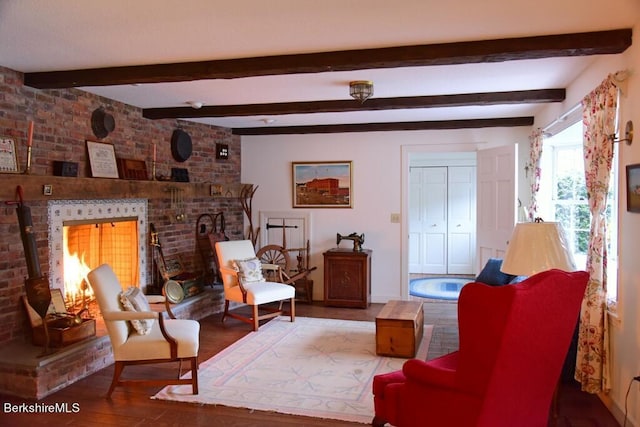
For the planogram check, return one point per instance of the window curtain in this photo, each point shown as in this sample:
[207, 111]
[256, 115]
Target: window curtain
[533, 171]
[599, 110]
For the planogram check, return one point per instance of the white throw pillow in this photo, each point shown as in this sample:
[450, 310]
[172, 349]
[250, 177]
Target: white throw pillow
[249, 270]
[134, 300]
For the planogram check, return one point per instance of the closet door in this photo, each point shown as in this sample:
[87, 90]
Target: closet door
[428, 220]
[461, 231]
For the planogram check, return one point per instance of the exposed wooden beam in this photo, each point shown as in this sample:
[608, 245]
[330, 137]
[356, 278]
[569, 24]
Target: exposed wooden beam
[345, 105]
[382, 127]
[498, 50]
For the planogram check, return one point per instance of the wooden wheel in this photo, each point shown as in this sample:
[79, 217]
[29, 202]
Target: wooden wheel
[275, 254]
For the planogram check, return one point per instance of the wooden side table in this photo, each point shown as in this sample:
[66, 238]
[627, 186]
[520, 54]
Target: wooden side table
[347, 278]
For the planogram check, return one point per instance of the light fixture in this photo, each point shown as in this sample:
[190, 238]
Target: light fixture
[628, 134]
[361, 90]
[196, 105]
[535, 247]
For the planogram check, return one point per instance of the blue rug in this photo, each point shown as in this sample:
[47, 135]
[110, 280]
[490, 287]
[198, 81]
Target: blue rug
[446, 288]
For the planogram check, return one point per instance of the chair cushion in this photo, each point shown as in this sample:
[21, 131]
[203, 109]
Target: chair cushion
[249, 270]
[491, 274]
[134, 300]
[154, 346]
[261, 293]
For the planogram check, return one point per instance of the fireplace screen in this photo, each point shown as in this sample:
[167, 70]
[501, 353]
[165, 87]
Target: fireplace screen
[114, 243]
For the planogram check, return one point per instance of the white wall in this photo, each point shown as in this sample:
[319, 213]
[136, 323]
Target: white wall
[377, 186]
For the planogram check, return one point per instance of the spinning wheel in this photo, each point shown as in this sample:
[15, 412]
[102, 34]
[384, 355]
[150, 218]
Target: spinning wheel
[275, 254]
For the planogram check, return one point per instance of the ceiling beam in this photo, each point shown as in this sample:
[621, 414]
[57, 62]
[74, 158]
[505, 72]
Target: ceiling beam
[347, 105]
[498, 50]
[382, 127]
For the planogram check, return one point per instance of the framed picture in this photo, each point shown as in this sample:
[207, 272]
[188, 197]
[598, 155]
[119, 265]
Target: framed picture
[8, 155]
[322, 184]
[102, 158]
[633, 188]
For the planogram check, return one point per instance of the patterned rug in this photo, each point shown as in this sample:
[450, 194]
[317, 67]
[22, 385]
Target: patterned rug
[320, 368]
[445, 288]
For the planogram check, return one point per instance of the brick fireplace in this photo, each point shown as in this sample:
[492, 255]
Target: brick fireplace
[62, 121]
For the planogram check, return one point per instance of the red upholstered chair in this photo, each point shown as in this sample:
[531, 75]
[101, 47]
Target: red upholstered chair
[513, 341]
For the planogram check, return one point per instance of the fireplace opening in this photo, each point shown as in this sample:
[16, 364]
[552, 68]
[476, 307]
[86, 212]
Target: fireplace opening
[83, 234]
[89, 244]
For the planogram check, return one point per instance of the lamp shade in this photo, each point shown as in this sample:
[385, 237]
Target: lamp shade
[536, 247]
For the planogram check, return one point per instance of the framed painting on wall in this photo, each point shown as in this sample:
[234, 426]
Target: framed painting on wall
[633, 188]
[322, 184]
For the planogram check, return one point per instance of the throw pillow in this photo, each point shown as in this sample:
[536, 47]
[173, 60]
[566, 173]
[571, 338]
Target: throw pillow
[249, 270]
[134, 300]
[491, 274]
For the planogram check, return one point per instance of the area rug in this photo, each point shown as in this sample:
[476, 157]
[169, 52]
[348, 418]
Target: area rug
[446, 288]
[314, 367]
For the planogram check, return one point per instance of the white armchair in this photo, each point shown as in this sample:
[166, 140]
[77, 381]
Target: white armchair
[244, 283]
[142, 336]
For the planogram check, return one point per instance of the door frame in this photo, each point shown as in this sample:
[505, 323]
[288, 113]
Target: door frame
[406, 152]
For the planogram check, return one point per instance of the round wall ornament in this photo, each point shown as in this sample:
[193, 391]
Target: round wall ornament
[102, 123]
[180, 145]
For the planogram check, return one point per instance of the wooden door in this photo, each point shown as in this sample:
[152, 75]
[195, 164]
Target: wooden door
[497, 210]
[461, 219]
[428, 220]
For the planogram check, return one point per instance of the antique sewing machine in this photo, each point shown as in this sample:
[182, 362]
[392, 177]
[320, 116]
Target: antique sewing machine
[358, 240]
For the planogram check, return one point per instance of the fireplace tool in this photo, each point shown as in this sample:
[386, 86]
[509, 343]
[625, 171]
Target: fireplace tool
[37, 285]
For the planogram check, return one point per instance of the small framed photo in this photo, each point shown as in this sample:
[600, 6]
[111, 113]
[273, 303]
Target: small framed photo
[322, 184]
[102, 158]
[633, 188]
[47, 190]
[8, 155]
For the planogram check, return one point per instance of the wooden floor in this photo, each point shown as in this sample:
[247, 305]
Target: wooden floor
[133, 406]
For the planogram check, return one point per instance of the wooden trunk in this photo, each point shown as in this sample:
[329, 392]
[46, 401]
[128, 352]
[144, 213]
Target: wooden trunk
[399, 328]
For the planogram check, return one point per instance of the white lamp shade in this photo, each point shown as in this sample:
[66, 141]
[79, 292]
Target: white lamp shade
[536, 247]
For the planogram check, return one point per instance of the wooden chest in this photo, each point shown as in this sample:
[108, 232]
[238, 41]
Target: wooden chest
[399, 328]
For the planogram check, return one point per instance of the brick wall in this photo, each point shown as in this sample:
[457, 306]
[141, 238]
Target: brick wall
[62, 124]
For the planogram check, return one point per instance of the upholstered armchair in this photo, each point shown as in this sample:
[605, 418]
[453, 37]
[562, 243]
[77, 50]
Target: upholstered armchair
[141, 336]
[513, 341]
[244, 283]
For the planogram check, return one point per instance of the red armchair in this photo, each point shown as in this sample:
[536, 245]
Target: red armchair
[513, 342]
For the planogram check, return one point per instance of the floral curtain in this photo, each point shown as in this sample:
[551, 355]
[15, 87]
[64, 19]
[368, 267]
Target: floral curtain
[533, 171]
[599, 110]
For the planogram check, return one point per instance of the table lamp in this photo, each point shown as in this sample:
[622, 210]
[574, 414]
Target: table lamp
[535, 247]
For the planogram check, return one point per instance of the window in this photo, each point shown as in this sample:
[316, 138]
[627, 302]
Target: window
[563, 198]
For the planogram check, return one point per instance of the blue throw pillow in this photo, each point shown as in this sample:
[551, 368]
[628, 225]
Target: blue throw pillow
[491, 274]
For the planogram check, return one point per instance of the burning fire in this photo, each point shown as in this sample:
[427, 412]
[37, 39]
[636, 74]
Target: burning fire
[76, 289]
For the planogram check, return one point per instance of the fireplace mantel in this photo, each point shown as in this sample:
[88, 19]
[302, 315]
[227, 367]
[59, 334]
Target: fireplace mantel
[68, 188]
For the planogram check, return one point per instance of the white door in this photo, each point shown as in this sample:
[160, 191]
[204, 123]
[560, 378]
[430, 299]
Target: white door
[497, 210]
[428, 220]
[461, 230]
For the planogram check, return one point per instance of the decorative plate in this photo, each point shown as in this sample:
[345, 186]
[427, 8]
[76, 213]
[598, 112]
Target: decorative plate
[173, 291]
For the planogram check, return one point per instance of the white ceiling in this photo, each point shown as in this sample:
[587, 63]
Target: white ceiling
[45, 35]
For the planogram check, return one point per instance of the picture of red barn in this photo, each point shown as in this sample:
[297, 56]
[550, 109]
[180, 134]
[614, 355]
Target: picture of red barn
[318, 185]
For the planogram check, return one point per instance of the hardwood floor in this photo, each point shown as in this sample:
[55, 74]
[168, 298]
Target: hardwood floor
[133, 406]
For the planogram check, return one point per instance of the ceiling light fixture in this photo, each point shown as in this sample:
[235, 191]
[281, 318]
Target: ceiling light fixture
[361, 90]
[195, 104]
